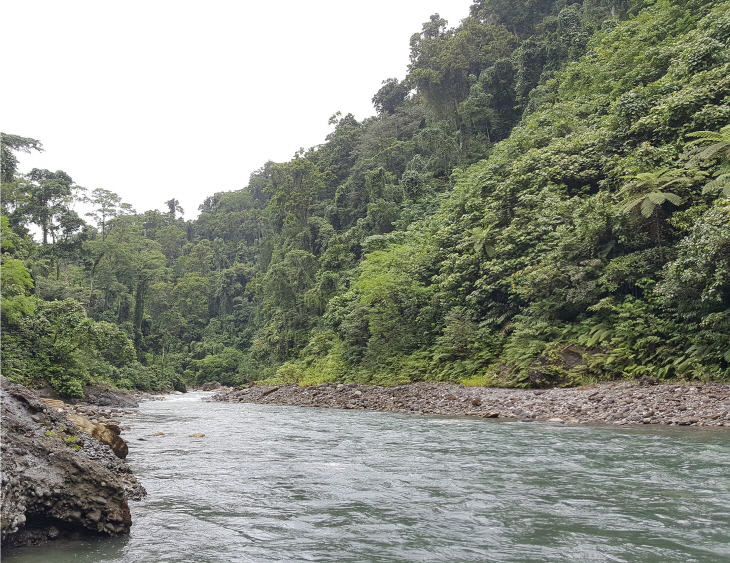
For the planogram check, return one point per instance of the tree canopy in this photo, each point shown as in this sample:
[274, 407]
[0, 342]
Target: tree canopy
[541, 200]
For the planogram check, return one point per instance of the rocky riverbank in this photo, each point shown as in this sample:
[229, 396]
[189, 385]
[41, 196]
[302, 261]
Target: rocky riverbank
[63, 473]
[623, 403]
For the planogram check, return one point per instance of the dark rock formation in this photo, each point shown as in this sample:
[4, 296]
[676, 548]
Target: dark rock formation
[57, 481]
[105, 397]
[553, 369]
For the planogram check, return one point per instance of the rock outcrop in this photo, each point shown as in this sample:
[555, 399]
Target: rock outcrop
[57, 480]
[105, 397]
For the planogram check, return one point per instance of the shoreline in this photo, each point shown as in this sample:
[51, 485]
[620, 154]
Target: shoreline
[64, 469]
[620, 404]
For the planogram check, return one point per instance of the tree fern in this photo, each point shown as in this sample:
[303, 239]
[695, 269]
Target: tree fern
[648, 202]
[714, 143]
[721, 182]
[650, 187]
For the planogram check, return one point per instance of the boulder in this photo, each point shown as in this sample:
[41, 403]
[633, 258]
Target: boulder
[114, 427]
[101, 433]
[106, 397]
[553, 369]
[211, 386]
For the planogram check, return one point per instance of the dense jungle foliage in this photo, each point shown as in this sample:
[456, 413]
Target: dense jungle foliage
[543, 199]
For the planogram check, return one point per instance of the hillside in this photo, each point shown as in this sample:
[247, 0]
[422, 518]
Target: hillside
[543, 200]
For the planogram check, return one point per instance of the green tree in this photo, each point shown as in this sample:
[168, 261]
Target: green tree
[294, 187]
[173, 206]
[16, 282]
[645, 190]
[107, 206]
[392, 94]
[47, 198]
[10, 144]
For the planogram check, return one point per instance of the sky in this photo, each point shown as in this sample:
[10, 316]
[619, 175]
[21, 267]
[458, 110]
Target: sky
[162, 99]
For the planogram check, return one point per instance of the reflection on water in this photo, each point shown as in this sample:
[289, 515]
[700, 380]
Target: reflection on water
[271, 483]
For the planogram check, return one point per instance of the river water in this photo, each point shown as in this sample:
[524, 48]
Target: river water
[270, 483]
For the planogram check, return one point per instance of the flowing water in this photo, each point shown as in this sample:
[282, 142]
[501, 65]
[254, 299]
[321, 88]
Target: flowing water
[270, 483]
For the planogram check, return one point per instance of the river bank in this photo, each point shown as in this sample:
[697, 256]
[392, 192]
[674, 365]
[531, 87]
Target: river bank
[624, 403]
[63, 468]
[272, 483]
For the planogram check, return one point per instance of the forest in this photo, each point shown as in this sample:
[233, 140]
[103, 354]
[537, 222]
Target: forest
[543, 199]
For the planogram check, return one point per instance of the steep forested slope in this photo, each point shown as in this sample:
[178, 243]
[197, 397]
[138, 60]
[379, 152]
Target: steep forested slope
[543, 199]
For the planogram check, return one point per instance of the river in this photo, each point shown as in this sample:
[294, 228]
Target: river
[272, 483]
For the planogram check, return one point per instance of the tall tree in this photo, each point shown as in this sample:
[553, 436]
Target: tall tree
[173, 206]
[10, 144]
[107, 206]
[48, 196]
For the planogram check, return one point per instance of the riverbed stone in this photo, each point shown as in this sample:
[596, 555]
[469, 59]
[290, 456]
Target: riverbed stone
[627, 403]
[101, 433]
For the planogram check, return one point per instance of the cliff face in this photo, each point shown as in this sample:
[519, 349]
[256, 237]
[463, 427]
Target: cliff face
[57, 481]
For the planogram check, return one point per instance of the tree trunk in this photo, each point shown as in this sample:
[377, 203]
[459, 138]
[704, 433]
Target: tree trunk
[93, 273]
[138, 315]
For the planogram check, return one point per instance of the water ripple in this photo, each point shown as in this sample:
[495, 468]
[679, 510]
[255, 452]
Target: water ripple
[271, 483]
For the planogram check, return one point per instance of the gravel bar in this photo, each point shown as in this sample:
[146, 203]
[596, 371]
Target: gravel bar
[623, 403]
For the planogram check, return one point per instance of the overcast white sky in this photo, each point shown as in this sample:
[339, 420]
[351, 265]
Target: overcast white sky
[158, 99]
